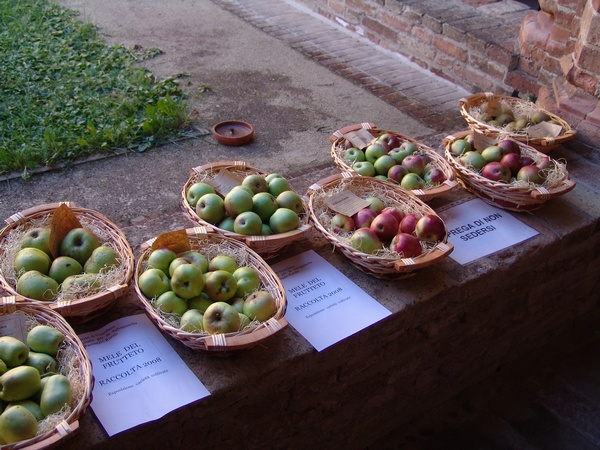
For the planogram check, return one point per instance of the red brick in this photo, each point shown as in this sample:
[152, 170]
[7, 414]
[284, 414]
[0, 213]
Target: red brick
[594, 116]
[590, 26]
[522, 83]
[587, 57]
[396, 22]
[585, 81]
[378, 28]
[450, 48]
[466, 75]
[502, 56]
[338, 7]
[422, 34]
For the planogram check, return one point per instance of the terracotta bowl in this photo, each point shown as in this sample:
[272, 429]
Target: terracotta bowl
[233, 132]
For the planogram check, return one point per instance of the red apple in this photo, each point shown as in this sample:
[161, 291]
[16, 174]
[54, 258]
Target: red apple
[396, 172]
[531, 173]
[509, 146]
[430, 228]
[414, 164]
[385, 225]
[397, 213]
[545, 163]
[409, 222]
[527, 160]
[365, 240]
[364, 217]
[513, 162]
[496, 171]
[434, 175]
[406, 244]
[392, 140]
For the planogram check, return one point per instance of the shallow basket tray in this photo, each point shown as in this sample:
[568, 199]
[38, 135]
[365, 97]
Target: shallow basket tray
[428, 193]
[81, 309]
[266, 246]
[210, 243]
[388, 265]
[512, 197]
[72, 353]
[488, 132]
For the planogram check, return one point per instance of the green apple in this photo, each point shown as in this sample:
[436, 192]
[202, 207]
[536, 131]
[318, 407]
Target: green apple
[176, 263]
[33, 407]
[460, 146]
[102, 259]
[211, 208]
[3, 368]
[383, 164]
[187, 281]
[270, 177]
[375, 204]
[266, 230]
[13, 352]
[17, 423]
[256, 182]
[39, 238]
[290, 200]
[221, 317]
[473, 159]
[278, 185]
[237, 303]
[248, 189]
[153, 282]
[192, 321]
[364, 168]
[375, 150]
[220, 285]
[36, 285]
[87, 283]
[412, 181]
[354, 154]
[19, 383]
[30, 258]
[365, 240]
[63, 267]
[57, 393]
[247, 279]
[248, 223]
[227, 224]
[284, 220]
[244, 320]
[198, 259]
[237, 201]
[161, 258]
[43, 362]
[264, 204]
[223, 262]
[200, 303]
[79, 243]
[45, 339]
[169, 302]
[197, 190]
[260, 305]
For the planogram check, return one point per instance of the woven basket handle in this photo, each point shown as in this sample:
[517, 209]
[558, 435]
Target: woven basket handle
[444, 248]
[241, 165]
[242, 341]
[342, 131]
[16, 217]
[259, 242]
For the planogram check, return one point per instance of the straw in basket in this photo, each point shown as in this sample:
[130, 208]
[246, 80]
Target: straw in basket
[517, 195]
[267, 247]
[473, 107]
[385, 264]
[73, 362]
[211, 244]
[429, 192]
[77, 307]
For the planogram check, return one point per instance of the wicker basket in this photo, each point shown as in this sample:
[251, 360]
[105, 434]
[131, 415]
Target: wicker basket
[266, 246]
[486, 132]
[388, 264]
[76, 310]
[73, 362]
[511, 196]
[338, 150]
[210, 243]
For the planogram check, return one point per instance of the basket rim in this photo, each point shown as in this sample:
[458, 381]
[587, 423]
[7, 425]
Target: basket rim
[377, 265]
[85, 308]
[266, 246]
[45, 315]
[547, 143]
[437, 160]
[221, 343]
[506, 196]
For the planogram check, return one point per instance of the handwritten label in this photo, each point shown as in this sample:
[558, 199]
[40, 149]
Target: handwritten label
[346, 202]
[359, 138]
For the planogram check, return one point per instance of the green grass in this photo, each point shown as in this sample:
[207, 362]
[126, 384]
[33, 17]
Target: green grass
[65, 94]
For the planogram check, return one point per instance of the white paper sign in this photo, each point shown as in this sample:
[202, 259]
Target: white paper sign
[477, 229]
[323, 304]
[138, 376]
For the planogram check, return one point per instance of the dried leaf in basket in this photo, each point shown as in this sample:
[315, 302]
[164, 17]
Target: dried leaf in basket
[177, 241]
[63, 221]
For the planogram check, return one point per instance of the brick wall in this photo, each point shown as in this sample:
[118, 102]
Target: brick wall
[497, 46]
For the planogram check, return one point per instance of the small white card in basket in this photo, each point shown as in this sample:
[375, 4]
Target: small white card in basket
[138, 376]
[322, 303]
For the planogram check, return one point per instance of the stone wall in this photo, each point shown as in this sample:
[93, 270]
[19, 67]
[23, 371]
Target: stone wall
[491, 45]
